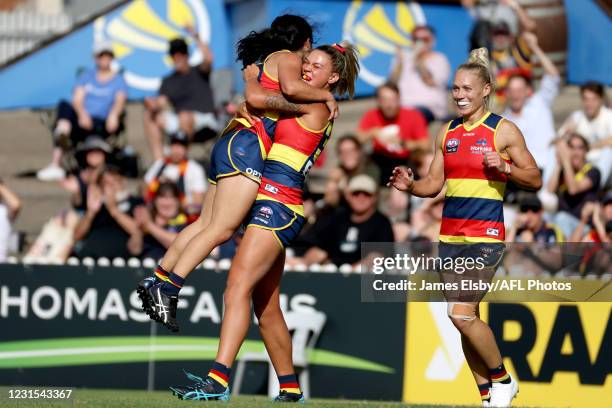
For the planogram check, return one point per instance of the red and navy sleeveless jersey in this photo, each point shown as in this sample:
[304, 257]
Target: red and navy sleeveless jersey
[266, 128]
[295, 150]
[473, 207]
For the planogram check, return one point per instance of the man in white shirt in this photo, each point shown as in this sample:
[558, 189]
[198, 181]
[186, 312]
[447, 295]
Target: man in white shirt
[178, 168]
[9, 209]
[531, 111]
[594, 123]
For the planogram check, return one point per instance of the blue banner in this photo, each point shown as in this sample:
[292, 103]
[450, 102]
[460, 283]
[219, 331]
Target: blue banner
[375, 27]
[590, 30]
[139, 32]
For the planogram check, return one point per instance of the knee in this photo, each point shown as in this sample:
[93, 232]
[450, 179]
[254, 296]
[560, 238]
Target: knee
[185, 121]
[221, 232]
[235, 292]
[266, 309]
[462, 315]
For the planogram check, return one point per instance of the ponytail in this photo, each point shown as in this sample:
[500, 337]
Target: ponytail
[345, 62]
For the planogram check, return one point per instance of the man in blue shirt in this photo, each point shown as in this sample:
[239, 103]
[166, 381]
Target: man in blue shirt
[98, 98]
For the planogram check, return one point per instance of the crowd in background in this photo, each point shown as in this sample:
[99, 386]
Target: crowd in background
[575, 203]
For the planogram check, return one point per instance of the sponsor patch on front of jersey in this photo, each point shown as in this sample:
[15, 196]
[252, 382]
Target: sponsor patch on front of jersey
[493, 232]
[270, 188]
[481, 147]
[452, 145]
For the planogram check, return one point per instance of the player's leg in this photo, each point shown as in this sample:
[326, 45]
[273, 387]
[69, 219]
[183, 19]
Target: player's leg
[186, 122]
[274, 332]
[479, 369]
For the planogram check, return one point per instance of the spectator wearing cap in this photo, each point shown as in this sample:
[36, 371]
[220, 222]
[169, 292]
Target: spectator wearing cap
[422, 74]
[574, 180]
[393, 132]
[530, 226]
[98, 100]
[594, 122]
[337, 237]
[10, 205]
[351, 162]
[185, 100]
[531, 110]
[92, 156]
[161, 222]
[177, 168]
[107, 227]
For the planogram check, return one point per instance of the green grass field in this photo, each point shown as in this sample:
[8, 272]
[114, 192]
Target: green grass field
[136, 399]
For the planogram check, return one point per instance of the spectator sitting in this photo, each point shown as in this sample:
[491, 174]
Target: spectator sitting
[337, 237]
[351, 162]
[93, 155]
[177, 168]
[98, 100]
[531, 111]
[529, 225]
[422, 75]
[594, 122]
[394, 131]
[574, 180]
[595, 222]
[9, 209]
[185, 100]
[163, 223]
[107, 227]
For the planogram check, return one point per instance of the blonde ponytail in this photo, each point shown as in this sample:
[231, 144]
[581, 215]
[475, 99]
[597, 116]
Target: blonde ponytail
[479, 62]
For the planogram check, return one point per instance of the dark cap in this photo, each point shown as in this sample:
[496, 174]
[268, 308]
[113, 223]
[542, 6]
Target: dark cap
[94, 142]
[178, 46]
[529, 201]
[179, 138]
[501, 27]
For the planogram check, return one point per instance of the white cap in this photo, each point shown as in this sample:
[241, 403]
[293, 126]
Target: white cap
[103, 46]
[362, 182]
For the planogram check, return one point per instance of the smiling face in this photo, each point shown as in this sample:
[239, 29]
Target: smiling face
[349, 155]
[469, 91]
[388, 101]
[578, 151]
[167, 205]
[591, 103]
[317, 69]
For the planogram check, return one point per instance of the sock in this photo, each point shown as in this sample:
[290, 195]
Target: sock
[172, 285]
[160, 274]
[499, 375]
[289, 384]
[485, 391]
[220, 376]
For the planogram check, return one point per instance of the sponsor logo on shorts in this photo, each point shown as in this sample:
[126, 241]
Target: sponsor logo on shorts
[452, 145]
[265, 212]
[263, 221]
[493, 231]
[271, 188]
[253, 173]
[240, 151]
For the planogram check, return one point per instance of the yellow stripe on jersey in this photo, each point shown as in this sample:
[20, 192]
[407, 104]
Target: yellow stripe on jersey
[287, 155]
[298, 209]
[493, 190]
[462, 238]
[299, 122]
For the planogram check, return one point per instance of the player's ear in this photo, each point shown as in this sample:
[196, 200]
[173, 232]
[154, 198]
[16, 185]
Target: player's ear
[486, 90]
[333, 78]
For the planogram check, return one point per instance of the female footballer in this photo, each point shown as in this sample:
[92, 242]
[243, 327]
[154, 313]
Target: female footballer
[273, 223]
[475, 155]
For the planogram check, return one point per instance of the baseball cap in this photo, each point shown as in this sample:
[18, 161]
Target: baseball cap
[103, 46]
[362, 182]
[178, 46]
[94, 142]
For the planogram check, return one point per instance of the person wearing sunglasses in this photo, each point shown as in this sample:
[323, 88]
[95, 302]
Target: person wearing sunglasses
[530, 226]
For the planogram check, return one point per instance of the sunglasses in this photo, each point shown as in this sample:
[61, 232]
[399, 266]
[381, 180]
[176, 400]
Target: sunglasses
[532, 208]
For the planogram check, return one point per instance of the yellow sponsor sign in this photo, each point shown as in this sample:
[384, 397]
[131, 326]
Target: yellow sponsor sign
[560, 353]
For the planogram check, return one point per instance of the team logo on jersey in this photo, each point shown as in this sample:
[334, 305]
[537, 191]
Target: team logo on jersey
[140, 33]
[452, 145]
[376, 29]
[266, 212]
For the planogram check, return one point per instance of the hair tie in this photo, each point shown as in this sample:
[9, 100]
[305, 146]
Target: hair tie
[338, 47]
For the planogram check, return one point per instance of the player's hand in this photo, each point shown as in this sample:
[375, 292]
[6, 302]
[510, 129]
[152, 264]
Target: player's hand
[250, 72]
[112, 123]
[85, 121]
[493, 160]
[402, 178]
[244, 112]
[332, 105]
